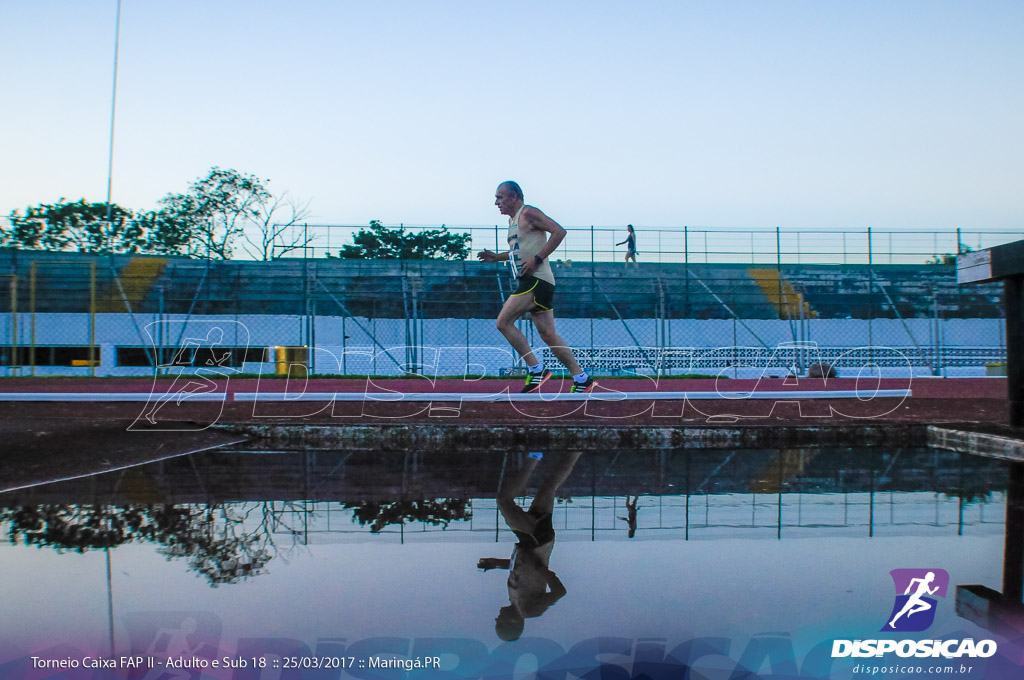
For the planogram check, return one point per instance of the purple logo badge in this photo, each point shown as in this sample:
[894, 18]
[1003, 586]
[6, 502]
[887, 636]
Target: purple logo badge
[916, 589]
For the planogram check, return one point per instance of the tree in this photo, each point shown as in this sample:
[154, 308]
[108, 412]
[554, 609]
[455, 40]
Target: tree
[221, 209]
[80, 227]
[273, 238]
[208, 219]
[381, 243]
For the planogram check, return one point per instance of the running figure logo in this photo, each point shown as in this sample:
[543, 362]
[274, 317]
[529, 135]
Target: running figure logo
[914, 610]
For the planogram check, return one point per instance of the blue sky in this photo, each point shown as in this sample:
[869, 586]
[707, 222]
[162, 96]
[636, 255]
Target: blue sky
[719, 114]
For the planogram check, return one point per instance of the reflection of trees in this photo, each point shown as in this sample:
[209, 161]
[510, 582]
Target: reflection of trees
[436, 512]
[221, 542]
[213, 540]
[72, 527]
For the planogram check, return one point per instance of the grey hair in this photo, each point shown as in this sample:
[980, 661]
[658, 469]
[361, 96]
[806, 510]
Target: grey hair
[516, 191]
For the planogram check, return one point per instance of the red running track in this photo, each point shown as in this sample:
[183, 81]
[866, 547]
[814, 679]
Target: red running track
[951, 400]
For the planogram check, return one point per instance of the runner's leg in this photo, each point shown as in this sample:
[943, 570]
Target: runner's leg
[545, 324]
[515, 307]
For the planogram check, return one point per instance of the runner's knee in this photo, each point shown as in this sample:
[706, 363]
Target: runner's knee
[549, 336]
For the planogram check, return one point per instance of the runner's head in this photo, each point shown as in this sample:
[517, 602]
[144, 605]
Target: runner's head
[508, 197]
[510, 623]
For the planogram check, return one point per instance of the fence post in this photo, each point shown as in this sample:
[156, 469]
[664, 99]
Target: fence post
[32, 313]
[161, 330]
[14, 324]
[592, 284]
[778, 265]
[871, 297]
[735, 351]
[801, 348]
[686, 262]
[92, 318]
[937, 361]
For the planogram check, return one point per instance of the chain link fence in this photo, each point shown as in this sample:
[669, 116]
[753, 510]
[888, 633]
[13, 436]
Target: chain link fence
[78, 314]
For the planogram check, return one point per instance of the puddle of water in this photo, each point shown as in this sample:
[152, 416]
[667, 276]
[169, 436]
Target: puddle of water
[323, 553]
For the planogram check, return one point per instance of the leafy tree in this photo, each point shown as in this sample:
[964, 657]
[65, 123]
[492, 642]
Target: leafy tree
[381, 243]
[79, 227]
[217, 212]
[208, 219]
[222, 209]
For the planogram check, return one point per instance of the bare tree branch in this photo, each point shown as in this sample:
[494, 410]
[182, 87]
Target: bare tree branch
[274, 231]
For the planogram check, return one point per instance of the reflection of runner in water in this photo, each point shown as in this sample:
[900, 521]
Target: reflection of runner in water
[200, 384]
[172, 643]
[532, 586]
[915, 604]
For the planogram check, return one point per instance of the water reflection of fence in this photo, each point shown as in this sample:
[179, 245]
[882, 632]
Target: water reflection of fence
[680, 517]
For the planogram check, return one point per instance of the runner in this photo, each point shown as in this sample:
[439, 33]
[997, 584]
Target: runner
[532, 237]
[532, 586]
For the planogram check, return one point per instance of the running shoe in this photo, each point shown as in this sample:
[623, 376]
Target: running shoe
[587, 386]
[535, 380]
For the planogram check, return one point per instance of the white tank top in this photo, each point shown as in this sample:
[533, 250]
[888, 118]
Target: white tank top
[524, 247]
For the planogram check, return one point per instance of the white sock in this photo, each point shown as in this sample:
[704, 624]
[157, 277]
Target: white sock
[581, 378]
[534, 369]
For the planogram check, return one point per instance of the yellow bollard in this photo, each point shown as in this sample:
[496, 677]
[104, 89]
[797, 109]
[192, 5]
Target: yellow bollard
[285, 357]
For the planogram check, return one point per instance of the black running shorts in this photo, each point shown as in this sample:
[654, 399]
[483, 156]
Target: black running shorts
[543, 292]
[542, 534]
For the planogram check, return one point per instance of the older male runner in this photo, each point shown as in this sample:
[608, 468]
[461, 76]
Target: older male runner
[532, 237]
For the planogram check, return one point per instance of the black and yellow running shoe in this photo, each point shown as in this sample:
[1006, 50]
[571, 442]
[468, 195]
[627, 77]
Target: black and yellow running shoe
[587, 386]
[535, 380]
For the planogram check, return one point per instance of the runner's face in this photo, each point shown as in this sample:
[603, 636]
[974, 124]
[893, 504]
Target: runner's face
[505, 200]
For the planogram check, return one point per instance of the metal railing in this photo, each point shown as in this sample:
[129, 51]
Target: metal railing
[707, 245]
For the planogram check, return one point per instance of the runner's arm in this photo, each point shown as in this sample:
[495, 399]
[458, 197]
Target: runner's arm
[538, 220]
[488, 256]
[557, 589]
